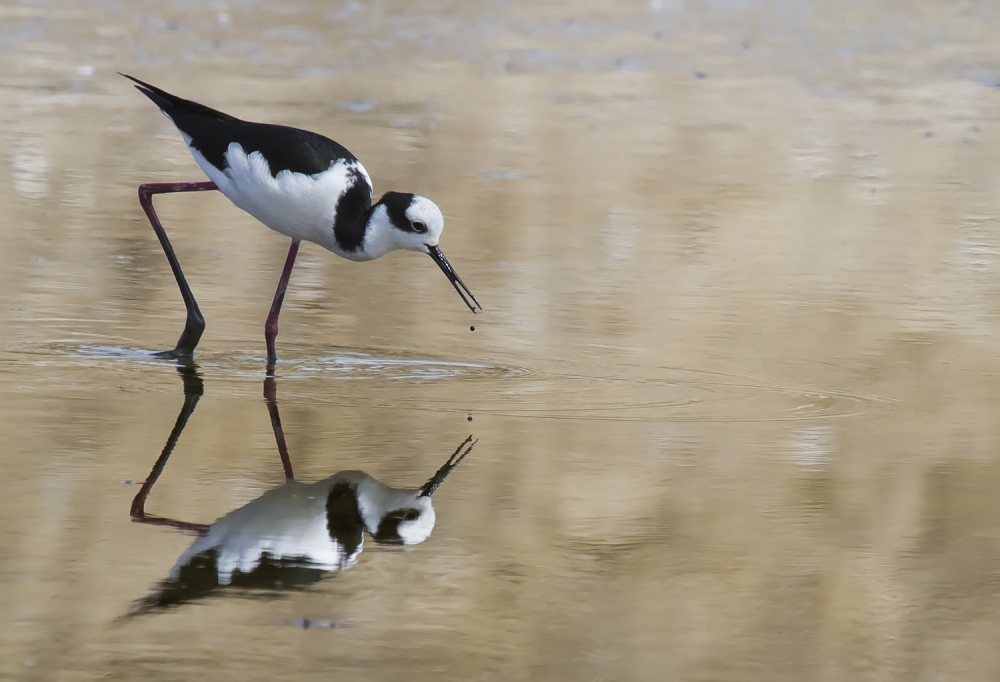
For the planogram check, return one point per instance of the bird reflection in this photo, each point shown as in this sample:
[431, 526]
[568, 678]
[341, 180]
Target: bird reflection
[293, 535]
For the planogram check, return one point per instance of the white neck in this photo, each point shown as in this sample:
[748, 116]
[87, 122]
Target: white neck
[378, 236]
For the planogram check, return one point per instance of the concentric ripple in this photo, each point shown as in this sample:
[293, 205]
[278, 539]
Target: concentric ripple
[400, 381]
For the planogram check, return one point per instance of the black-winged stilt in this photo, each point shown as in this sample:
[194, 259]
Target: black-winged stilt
[293, 534]
[298, 183]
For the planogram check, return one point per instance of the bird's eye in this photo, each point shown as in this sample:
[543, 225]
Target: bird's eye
[413, 513]
[418, 227]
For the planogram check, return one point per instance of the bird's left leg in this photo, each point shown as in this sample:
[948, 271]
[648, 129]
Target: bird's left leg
[271, 325]
[193, 390]
[194, 327]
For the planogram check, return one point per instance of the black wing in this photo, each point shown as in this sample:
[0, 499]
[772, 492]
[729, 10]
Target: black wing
[211, 133]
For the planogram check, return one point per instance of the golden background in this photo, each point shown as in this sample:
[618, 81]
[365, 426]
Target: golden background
[735, 384]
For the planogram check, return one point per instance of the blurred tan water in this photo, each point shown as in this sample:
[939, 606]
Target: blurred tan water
[735, 385]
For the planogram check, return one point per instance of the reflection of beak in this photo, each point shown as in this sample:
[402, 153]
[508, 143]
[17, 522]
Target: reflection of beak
[430, 486]
[456, 281]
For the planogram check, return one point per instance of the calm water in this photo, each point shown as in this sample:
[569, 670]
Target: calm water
[735, 386]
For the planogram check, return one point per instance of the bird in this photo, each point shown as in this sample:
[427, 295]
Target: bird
[292, 535]
[295, 534]
[298, 183]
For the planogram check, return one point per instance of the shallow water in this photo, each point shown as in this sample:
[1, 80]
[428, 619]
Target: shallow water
[734, 386]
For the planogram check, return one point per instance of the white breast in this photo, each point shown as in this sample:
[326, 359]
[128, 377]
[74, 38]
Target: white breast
[296, 205]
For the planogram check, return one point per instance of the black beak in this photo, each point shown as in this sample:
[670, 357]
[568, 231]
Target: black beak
[456, 281]
[438, 478]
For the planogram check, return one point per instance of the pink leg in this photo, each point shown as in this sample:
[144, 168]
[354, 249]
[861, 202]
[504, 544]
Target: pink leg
[271, 325]
[271, 397]
[195, 325]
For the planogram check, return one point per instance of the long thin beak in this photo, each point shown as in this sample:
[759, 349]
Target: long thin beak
[456, 281]
[438, 478]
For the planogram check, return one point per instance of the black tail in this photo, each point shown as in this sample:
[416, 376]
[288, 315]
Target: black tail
[171, 104]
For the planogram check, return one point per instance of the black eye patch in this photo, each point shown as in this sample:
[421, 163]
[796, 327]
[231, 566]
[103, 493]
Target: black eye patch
[396, 205]
[388, 528]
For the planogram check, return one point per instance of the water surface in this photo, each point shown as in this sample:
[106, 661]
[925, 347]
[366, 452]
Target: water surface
[734, 385]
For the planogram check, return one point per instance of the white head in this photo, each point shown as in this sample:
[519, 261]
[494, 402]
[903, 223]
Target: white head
[396, 516]
[412, 223]
[410, 523]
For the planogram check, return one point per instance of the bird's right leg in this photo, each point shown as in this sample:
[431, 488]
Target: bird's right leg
[194, 327]
[271, 398]
[271, 324]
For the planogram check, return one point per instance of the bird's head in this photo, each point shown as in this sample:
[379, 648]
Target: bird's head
[412, 223]
[409, 524]
[416, 221]
[395, 516]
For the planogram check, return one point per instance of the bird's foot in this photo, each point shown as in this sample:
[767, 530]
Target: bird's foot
[175, 354]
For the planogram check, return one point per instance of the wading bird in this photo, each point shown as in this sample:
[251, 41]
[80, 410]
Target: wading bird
[294, 534]
[298, 183]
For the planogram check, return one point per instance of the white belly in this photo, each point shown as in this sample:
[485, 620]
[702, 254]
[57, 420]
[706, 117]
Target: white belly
[296, 205]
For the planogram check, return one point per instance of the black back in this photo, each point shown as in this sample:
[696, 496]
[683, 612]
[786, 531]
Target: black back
[211, 133]
[199, 579]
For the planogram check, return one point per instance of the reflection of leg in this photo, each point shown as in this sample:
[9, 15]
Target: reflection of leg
[195, 324]
[193, 390]
[271, 325]
[271, 397]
